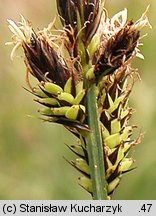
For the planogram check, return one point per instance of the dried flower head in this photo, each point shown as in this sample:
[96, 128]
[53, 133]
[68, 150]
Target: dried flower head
[119, 42]
[59, 88]
[118, 50]
[81, 16]
[44, 62]
[81, 20]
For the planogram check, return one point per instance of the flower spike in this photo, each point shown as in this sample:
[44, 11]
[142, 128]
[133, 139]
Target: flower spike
[84, 80]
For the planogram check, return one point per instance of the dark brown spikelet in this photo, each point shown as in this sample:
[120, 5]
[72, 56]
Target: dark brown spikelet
[44, 62]
[118, 50]
[86, 13]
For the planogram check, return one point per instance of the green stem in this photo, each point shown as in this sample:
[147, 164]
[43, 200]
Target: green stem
[95, 147]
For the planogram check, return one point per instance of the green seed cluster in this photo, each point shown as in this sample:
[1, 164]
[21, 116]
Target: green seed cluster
[60, 102]
[114, 114]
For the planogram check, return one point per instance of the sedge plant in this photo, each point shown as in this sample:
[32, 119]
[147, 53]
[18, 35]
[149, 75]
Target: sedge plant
[84, 80]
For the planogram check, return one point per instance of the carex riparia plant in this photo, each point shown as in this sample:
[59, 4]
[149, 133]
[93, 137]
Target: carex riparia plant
[84, 80]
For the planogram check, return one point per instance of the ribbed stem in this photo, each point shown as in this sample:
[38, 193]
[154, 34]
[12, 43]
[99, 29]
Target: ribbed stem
[95, 147]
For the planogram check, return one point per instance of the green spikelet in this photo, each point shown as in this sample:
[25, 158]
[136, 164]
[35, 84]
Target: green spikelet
[115, 128]
[62, 102]
[114, 114]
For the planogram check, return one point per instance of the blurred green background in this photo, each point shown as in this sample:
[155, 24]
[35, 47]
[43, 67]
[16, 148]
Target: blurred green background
[31, 152]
